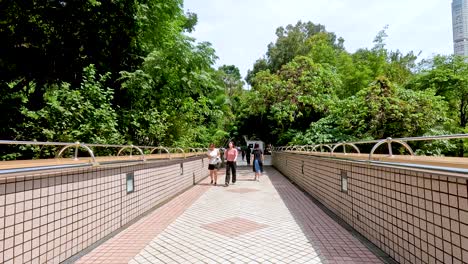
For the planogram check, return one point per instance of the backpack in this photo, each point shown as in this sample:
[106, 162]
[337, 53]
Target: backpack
[257, 154]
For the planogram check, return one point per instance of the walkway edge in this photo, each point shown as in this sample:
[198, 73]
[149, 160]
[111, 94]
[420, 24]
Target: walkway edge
[100, 242]
[384, 257]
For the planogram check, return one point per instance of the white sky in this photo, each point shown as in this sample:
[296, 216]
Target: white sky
[240, 30]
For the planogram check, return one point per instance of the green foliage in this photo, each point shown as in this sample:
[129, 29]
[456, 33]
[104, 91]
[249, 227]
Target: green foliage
[361, 68]
[323, 131]
[70, 114]
[384, 110]
[168, 92]
[174, 79]
[14, 96]
[448, 76]
[154, 85]
[84, 113]
[435, 147]
[302, 91]
[379, 111]
[291, 41]
[230, 78]
[320, 93]
[52, 41]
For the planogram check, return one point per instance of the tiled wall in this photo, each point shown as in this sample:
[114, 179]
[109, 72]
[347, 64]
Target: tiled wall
[413, 215]
[49, 217]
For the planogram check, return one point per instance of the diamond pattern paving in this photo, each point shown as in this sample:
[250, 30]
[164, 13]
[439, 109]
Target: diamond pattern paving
[233, 227]
[271, 225]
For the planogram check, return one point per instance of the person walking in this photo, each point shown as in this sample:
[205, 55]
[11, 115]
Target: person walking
[243, 153]
[257, 155]
[213, 166]
[231, 157]
[247, 154]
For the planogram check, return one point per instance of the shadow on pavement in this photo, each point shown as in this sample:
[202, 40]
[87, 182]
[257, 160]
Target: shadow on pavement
[330, 236]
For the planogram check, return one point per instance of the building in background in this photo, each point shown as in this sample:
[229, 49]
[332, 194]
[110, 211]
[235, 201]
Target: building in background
[460, 27]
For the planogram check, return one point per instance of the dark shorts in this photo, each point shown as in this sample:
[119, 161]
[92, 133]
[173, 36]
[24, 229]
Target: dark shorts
[213, 166]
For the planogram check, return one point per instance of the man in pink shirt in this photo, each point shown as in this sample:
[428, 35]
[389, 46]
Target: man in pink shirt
[231, 157]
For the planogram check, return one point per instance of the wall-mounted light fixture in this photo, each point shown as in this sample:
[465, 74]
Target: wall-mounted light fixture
[130, 182]
[344, 181]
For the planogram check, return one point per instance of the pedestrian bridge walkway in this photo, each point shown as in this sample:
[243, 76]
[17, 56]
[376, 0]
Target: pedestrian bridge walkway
[310, 206]
[270, 221]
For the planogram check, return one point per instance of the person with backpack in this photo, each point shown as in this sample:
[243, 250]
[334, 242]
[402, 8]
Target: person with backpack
[257, 155]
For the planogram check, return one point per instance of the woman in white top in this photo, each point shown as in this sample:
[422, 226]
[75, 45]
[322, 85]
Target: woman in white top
[215, 160]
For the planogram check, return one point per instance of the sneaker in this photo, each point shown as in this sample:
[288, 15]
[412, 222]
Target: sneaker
[211, 182]
[215, 184]
[226, 184]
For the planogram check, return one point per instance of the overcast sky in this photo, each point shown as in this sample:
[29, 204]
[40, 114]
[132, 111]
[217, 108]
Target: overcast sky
[240, 30]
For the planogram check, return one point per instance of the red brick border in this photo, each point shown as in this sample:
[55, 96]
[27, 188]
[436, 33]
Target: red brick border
[128, 243]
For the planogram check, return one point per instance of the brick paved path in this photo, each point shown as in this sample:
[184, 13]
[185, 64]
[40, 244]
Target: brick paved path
[270, 221]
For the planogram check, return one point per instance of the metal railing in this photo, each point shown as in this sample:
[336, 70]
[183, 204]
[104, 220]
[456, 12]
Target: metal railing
[332, 147]
[89, 149]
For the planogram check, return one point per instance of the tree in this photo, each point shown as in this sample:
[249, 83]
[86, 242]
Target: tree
[291, 42]
[71, 114]
[231, 79]
[170, 78]
[379, 111]
[448, 76]
[301, 92]
[385, 110]
[361, 68]
[46, 41]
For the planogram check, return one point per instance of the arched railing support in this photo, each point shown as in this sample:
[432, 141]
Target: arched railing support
[200, 150]
[181, 151]
[143, 158]
[77, 145]
[161, 148]
[344, 144]
[193, 150]
[314, 148]
[321, 147]
[389, 142]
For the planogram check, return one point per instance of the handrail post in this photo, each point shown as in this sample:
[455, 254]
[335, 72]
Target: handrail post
[182, 151]
[389, 144]
[59, 154]
[91, 153]
[76, 150]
